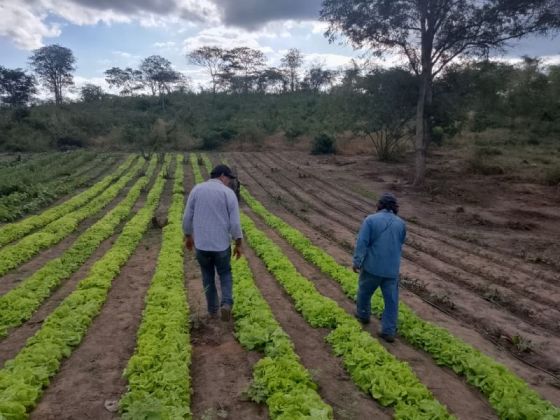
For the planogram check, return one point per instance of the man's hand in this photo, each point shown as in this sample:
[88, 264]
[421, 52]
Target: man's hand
[189, 242]
[237, 249]
[355, 269]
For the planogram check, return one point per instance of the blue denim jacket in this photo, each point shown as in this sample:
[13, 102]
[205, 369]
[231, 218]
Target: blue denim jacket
[379, 244]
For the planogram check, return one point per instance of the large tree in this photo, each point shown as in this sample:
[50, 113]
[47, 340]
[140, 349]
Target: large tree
[16, 87]
[292, 62]
[242, 67]
[431, 33]
[159, 75]
[54, 66]
[127, 80]
[317, 78]
[210, 57]
[91, 93]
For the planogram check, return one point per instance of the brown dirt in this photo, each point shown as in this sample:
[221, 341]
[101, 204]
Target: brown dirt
[221, 370]
[330, 232]
[335, 385]
[92, 375]
[11, 279]
[442, 266]
[11, 344]
[443, 383]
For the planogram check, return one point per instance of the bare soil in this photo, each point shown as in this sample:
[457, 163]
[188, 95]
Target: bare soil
[221, 370]
[11, 279]
[325, 209]
[91, 378]
[479, 261]
[335, 385]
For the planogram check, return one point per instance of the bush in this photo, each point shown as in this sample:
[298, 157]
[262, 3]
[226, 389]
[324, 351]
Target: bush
[552, 176]
[323, 144]
[480, 161]
[437, 135]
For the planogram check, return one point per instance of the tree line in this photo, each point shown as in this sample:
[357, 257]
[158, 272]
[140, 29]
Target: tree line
[237, 70]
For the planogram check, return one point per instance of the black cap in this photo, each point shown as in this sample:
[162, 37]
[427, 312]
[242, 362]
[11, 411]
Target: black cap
[220, 170]
[388, 200]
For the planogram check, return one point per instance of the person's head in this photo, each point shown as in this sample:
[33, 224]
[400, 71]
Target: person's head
[223, 173]
[388, 202]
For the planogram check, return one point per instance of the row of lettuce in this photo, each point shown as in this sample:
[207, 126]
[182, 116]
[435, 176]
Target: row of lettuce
[509, 395]
[24, 190]
[14, 231]
[279, 378]
[19, 304]
[23, 378]
[158, 373]
[13, 255]
[372, 368]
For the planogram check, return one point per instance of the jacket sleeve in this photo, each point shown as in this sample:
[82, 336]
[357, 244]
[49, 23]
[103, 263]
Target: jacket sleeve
[362, 243]
[403, 234]
[189, 213]
[234, 221]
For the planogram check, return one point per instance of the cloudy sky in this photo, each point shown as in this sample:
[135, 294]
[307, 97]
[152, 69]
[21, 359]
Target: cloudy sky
[107, 33]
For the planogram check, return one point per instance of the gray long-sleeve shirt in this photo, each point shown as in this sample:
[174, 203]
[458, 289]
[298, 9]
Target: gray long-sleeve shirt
[212, 216]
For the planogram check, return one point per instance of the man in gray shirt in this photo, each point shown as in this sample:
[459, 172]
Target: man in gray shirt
[210, 222]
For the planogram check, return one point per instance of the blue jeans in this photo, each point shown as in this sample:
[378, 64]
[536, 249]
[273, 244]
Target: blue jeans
[367, 285]
[210, 262]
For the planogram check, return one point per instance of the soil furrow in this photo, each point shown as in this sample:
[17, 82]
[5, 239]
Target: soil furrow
[17, 338]
[542, 291]
[443, 383]
[422, 228]
[535, 308]
[11, 279]
[91, 377]
[329, 239]
[335, 385]
[221, 370]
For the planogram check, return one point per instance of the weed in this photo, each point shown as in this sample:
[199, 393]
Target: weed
[444, 300]
[521, 344]
[493, 295]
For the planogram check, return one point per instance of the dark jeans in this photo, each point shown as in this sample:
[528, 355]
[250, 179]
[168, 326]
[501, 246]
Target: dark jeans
[210, 262]
[367, 285]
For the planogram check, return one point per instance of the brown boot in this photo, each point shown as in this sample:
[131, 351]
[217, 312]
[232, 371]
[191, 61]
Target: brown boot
[226, 313]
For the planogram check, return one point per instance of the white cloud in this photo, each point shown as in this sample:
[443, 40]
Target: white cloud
[24, 27]
[24, 21]
[225, 38]
[165, 45]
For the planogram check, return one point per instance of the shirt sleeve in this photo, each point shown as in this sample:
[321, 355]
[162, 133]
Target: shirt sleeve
[234, 220]
[363, 241]
[189, 214]
[403, 234]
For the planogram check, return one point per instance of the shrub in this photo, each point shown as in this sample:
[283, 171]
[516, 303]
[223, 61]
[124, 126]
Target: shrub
[437, 135]
[323, 144]
[552, 176]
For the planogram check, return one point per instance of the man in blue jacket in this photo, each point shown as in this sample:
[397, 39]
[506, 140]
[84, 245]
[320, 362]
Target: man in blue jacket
[377, 258]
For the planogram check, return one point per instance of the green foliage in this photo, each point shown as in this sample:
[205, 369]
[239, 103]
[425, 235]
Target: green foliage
[23, 378]
[158, 380]
[14, 231]
[552, 176]
[33, 190]
[437, 135]
[20, 303]
[13, 256]
[372, 367]
[279, 379]
[509, 395]
[323, 144]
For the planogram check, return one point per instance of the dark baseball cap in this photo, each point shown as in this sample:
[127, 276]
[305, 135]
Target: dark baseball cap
[220, 170]
[388, 199]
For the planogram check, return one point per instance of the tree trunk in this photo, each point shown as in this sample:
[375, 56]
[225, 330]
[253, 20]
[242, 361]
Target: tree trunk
[420, 136]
